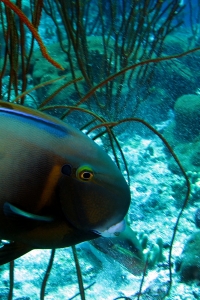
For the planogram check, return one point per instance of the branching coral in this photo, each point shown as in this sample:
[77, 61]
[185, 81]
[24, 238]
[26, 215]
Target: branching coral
[33, 30]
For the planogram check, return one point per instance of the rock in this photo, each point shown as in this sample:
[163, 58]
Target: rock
[188, 265]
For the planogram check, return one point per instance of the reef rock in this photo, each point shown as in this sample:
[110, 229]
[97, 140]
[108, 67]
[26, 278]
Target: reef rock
[188, 265]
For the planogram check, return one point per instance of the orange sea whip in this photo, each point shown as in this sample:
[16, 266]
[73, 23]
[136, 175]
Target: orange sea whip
[33, 30]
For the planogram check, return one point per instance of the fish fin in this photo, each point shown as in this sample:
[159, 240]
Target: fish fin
[14, 212]
[11, 251]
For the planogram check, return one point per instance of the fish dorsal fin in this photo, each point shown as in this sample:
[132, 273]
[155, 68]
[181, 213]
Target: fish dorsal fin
[12, 211]
[32, 116]
[11, 251]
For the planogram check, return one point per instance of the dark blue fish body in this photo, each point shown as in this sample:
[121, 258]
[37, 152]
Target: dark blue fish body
[57, 187]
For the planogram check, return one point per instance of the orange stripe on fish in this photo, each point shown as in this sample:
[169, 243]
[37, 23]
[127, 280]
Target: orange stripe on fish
[50, 184]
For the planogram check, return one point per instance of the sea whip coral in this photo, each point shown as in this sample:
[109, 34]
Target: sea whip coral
[33, 30]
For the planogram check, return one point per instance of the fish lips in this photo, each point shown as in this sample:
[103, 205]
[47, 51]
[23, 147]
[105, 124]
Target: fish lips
[93, 205]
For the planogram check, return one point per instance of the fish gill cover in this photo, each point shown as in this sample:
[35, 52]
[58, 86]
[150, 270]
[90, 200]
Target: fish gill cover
[127, 74]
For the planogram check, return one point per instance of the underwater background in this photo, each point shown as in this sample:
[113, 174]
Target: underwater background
[127, 74]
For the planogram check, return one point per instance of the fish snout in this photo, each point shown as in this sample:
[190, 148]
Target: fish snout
[98, 204]
[113, 231]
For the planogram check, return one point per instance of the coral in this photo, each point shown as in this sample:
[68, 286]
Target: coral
[33, 30]
[187, 115]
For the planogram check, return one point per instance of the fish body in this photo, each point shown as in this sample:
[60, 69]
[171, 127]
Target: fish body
[57, 187]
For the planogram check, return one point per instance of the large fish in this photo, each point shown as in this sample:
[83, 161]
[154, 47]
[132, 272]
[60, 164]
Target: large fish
[57, 187]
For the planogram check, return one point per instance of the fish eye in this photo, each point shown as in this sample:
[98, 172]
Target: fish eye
[84, 173]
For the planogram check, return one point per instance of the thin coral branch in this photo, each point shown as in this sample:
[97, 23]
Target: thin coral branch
[79, 275]
[33, 30]
[141, 63]
[11, 277]
[88, 287]
[47, 273]
[42, 84]
[47, 100]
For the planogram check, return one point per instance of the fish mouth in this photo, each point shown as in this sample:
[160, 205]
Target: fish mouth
[113, 231]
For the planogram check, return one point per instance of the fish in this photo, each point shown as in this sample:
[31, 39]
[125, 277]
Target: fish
[58, 188]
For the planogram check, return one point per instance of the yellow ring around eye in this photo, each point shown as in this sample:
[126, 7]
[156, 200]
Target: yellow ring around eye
[84, 173]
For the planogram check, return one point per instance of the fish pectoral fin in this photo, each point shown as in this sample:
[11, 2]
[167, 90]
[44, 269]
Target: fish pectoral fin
[12, 211]
[11, 251]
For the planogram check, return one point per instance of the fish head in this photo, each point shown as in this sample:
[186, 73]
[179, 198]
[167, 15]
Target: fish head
[93, 193]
